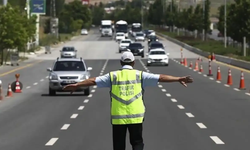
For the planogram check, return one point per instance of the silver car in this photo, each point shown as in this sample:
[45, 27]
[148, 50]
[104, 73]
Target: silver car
[68, 52]
[68, 71]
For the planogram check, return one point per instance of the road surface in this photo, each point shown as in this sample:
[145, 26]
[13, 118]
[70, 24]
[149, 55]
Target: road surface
[206, 115]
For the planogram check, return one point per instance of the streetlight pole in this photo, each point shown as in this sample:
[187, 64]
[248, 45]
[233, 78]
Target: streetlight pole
[142, 13]
[225, 23]
[203, 30]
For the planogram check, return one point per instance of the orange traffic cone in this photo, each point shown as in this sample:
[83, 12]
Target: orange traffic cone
[9, 92]
[209, 69]
[229, 78]
[242, 81]
[191, 64]
[218, 73]
[196, 68]
[185, 62]
[1, 92]
[18, 88]
[201, 69]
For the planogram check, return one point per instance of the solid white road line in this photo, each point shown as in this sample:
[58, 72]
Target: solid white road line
[27, 87]
[65, 126]
[173, 100]
[163, 90]
[81, 108]
[51, 142]
[168, 95]
[201, 125]
[181, 107]
[190, 115]
[90, 95]
[92, 91]
[74, 116]
[86, 101]
[35, 83]
[217, 140]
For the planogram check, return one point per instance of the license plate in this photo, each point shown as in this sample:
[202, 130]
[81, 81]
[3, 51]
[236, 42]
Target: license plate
[68, 81]
[135, 53]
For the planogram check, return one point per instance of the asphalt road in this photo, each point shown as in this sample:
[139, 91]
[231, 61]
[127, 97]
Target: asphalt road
[206, 115]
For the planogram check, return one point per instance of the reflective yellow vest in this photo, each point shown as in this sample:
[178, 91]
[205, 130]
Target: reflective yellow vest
[126, 93]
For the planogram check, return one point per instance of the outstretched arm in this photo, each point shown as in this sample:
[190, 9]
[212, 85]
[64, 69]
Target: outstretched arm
[88, 82]
[182, 80]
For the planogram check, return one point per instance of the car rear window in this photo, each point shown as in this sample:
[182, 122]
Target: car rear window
[68, 49]
[69, 66]
[135, 45]
[157, 53]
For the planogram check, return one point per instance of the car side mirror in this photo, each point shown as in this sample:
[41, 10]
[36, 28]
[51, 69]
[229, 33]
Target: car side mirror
[89, 68]
[168, 54]
[49, 69]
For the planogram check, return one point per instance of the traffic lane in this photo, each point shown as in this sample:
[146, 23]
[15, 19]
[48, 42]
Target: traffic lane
[39, 117]
[225, 112]
[175, 50]
[236, 74]
[93, 125]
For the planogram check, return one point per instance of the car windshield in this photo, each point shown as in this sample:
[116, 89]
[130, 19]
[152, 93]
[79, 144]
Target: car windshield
[84, 30]
[135, 45]
[157, 53]
[152, 37]
[139, 34]
[68, 49]
[119, 34]
[125, 42]
[156, 45]
[69, 66]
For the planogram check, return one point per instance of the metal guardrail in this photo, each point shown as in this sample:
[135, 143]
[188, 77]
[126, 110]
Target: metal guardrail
[224, 59]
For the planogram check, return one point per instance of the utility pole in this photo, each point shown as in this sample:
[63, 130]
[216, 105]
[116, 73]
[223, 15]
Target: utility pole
[5, 2]
[141, 13]
[203, 30]
[225, 23]
[27, 8]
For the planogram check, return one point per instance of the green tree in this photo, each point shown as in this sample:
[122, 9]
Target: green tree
[15, 29]
[207, 17]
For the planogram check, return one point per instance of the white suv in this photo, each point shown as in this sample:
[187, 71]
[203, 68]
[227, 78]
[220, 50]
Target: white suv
[123, 45]
[68, 71]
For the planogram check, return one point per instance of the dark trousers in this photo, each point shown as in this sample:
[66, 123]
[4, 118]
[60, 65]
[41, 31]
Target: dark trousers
[135, 136]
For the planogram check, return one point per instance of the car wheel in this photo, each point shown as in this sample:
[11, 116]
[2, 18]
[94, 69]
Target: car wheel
[142, 56]
[148, 64]
[166, 64]
[120, 51]
[52, 92]
[87, 91]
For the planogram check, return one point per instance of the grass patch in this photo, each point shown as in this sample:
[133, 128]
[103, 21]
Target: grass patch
[210, 45]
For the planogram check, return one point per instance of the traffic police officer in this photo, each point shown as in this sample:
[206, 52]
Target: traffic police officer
[127, 108]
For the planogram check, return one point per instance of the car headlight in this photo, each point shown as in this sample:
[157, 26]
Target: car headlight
[53, 77]
[140, 50]
[83, 77]
[157, 40]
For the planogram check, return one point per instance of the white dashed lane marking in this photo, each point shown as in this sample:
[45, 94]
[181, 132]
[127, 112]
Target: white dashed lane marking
[218, 81]
[95, 87]
[173, 100]
[86, 101]
[27, 87]
[204, 75]
[81, 108]
[163, 90]
[35, 83]
[90, 95]
[201, 125]
[217, 140]
[47, 76]
[65, 126]
[190, 115]
[168, 95]
[42, 80]
[180, 107]
[92, 91]
[226, 85]
[51, 142]
[236, 89]
[248, 94]
[160, 86]
[211, 78]
[74, 116]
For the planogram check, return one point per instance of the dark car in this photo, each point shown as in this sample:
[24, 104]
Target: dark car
[152, 38]
[154, 45]
[137, 49]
